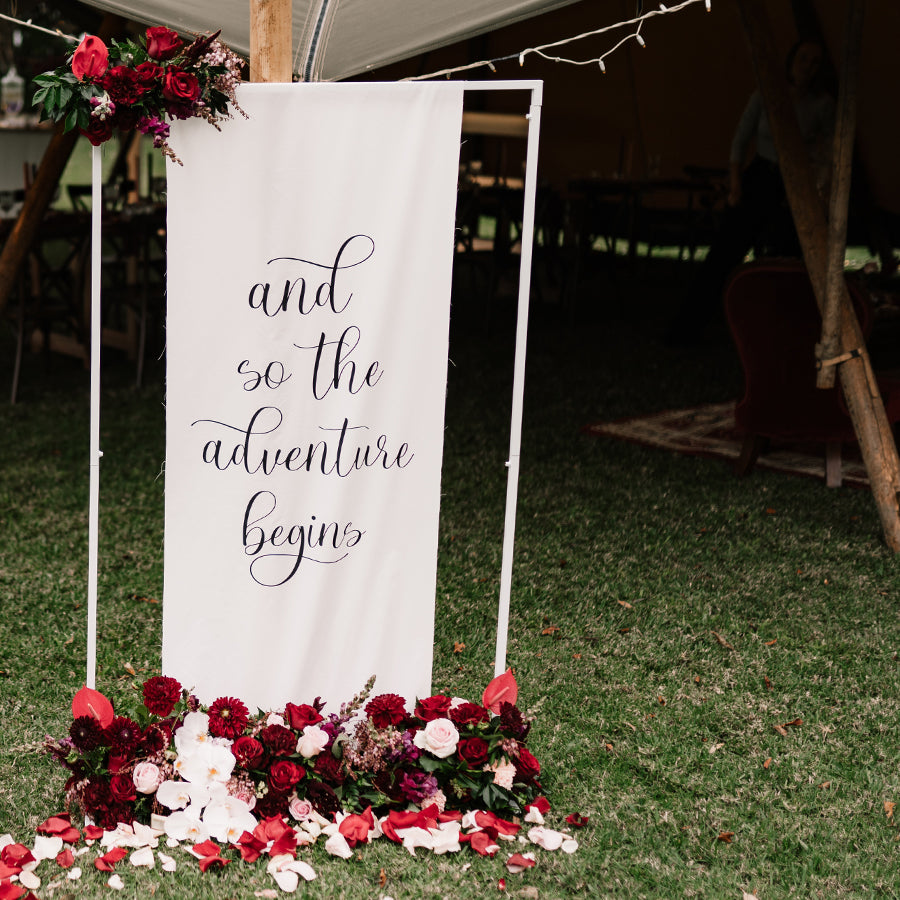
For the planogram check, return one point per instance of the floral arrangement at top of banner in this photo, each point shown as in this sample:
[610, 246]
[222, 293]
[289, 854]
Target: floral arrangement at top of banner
[171, 752]
[129, 86]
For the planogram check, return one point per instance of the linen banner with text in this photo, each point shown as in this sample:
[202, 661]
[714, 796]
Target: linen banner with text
[309, 262]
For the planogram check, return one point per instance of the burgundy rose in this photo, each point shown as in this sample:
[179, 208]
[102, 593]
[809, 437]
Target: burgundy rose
[161, 693]
[86, 733]
[148, 74]
[386, 709]
[180, 86]
[527, 767]
[122, 788]
[162, 43]
[248, 752]
[284, 775]
[116, 763]
[435, 707]
[329, 769]
[228, 717]
[299, 716]
[90, 58]
[468, 714]
[474, 751]
[279, 740]
[97, 132]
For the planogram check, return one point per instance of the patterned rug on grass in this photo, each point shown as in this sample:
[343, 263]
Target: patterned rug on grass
[709, 430]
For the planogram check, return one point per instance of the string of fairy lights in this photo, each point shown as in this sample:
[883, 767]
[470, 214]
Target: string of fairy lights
[541, 50]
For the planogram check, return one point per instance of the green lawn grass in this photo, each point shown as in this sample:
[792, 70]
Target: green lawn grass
[667, 618]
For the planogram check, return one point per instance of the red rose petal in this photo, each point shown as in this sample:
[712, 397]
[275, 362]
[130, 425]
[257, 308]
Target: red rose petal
[482, 843]
[517, 861]
[107, 862]
[93, 833]
[489, 821]
[65, 859]
[287, 843]
[207, 848]
[577, 820]
[209, 861]
[16, 855]
[88, 702]
[55, 824]
[10, 891]
[541, 804]
[8, 871]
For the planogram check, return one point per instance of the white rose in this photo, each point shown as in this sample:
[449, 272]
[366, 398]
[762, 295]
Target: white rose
[439, 737]
[313, 741]
[146, 777]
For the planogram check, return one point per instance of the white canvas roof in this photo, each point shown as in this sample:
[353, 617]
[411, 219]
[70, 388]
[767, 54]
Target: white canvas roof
[334, 39]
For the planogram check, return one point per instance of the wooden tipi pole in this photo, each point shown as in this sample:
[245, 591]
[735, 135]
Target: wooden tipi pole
[873, 431]
[40, 195]
[270, 40]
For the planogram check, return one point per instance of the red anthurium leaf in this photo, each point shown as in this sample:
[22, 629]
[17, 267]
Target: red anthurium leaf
[65, 859]
[578, 820]
[207, 848]
[88, 702]
[210, 861]
[16, 855]
[93, 833]
[502, 689]
[541, 804]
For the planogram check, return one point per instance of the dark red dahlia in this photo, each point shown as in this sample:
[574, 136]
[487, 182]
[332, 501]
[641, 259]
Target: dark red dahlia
[122, 84]
[123, 735]
[272, 804]
[512, 723]
[155, 739]
[86, 733]
[468, 714]
[329, 769]
[228, 717]
[279, 740]
[323, 798]
[161, 693]
[386, 709]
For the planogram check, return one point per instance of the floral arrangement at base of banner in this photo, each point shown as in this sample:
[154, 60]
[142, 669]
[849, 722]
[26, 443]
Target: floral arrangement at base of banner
[226, 785]
[130, 86]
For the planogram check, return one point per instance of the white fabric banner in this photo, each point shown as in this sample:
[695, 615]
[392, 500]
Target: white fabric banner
[310, 252]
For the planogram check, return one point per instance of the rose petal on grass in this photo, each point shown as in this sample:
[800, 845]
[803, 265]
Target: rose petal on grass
[167, 862]
[337, 845]
[29, 880]
[533, 816]
[577, 820]
[74, 873]
[115, 882]
[47, 847]
[10, 891]
[546, 838]
[569, 845]
[286, 880]
[143, 856]
[65, 859]
[106, 862]
[519, 862]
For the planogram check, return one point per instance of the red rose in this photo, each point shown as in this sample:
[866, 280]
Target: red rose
[148, 73]
[97, 132]
[298, 717]
[279, 740]
[474, 751]
[180, 86]
[90, 58]
[386, 709]
[122, 787]
[162, 43]
[435, 707]
[284, 775]
[468, 714]
[161, 694]
[248, 752]
[527, 767]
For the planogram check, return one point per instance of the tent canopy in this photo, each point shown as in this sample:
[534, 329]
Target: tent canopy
[372, 33]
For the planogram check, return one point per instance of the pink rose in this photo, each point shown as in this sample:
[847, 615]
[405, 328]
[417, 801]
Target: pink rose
[439, 737]
[146, 777]
[301, 810]
[313, 741]
[90, 59]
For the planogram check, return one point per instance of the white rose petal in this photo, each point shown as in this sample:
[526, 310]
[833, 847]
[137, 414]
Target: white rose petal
[143, 857]
[337, 845]
[546, 837]
[446, 838]
[286, 880]
[303, 869]
[167, 862]
[534, 816]
[74, 873]
[81, 851]
[116, 883]
[416, 837]
[47, 847]
[29, 880]
[6, 840]
[570, 845]
[172, 843]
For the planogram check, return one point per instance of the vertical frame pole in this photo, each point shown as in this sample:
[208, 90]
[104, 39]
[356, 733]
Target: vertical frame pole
[95, 454]
[515, 431]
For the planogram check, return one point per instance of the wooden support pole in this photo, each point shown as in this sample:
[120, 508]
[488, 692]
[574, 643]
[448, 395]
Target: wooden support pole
[270, 40]
[873, 431]
[40, 195]
[842, 164]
